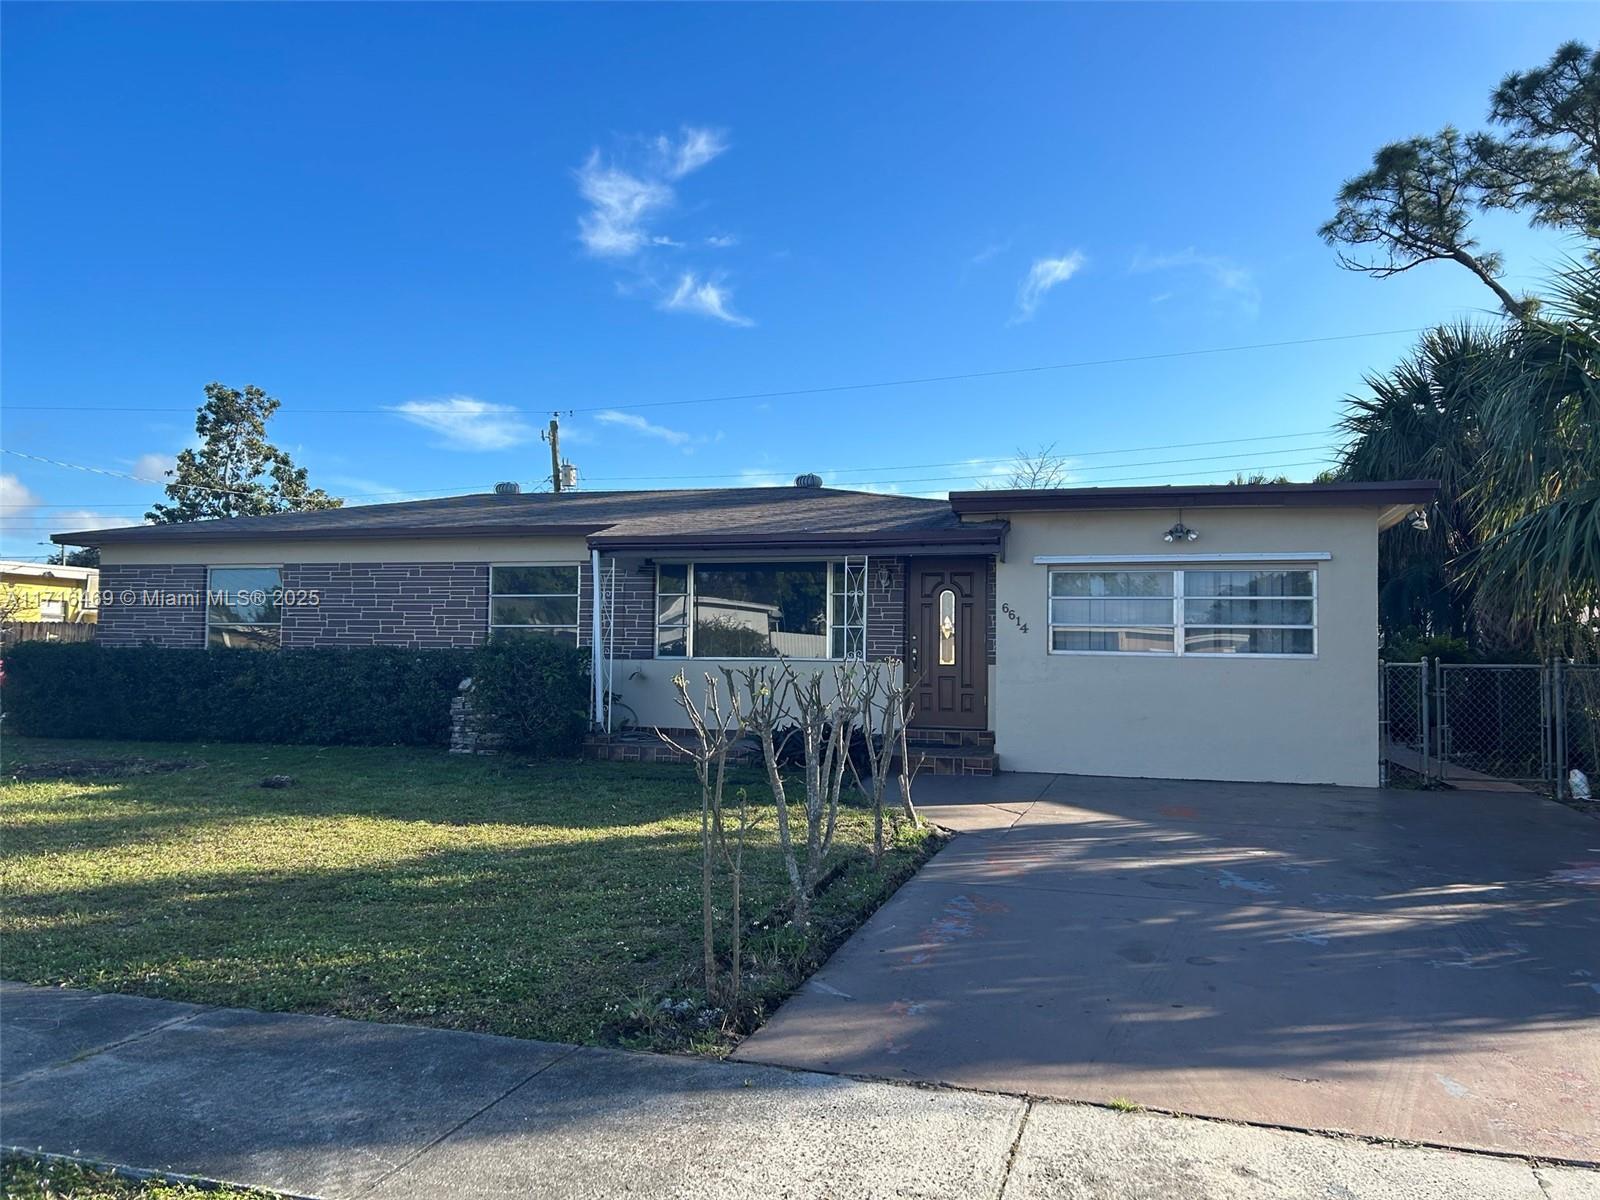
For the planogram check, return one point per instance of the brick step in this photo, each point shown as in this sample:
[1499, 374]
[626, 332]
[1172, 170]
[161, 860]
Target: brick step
[982, 739]
[954, 760]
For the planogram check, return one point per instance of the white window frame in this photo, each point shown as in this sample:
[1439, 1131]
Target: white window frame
[205, 600]
[1096, 565]
[689, 606]
[577, 619]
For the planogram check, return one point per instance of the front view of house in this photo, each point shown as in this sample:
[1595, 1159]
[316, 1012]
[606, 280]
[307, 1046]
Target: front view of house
[1216, 632]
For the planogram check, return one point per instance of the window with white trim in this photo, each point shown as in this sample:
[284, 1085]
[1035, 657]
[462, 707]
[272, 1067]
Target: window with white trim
[760, 610]
[244, 608]
[534, 600]
[1264, 613]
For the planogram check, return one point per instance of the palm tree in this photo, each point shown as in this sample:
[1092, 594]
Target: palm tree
[1420, 421]
[1537, 498]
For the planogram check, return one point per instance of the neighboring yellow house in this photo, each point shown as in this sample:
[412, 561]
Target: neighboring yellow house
[49, 592]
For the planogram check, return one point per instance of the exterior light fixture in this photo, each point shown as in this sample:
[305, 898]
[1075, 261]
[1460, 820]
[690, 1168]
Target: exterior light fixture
[1180, 533]
[884, 579]
[1419, 520]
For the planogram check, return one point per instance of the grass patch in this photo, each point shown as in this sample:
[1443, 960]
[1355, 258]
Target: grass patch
[25, 1178]
[545, 900]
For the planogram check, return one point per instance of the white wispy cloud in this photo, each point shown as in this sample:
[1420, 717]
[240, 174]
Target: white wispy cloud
[72, 520]
[623, 199]
[695, 147]
[25, 526]
[704, 297]
[627, 198]
[1227, 278]
[989, 252]
[673, 437]
[1046, 273]
[466, 423]
[619, 203]
[15, 495]
[153, 465]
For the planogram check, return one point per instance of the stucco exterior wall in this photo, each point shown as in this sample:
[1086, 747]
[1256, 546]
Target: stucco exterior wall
[1293, 720]
[646, 687]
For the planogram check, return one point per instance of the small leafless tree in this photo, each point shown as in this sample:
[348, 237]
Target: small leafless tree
[716, 726]
[1043, 468]
[826, 709]
[886, 707]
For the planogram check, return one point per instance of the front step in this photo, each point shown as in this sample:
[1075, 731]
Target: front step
[945, 739]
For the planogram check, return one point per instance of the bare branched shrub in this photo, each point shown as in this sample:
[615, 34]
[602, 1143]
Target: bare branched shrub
[717, 725]
[826, 709]
[886, 705]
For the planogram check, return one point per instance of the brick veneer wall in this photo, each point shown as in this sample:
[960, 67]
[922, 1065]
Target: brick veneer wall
[424, 605]
[435, 605]
[162, 603]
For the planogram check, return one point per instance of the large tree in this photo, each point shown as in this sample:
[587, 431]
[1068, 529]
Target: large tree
[1538, 491]
[1417, 202]
[236, 472]
[1505, 417]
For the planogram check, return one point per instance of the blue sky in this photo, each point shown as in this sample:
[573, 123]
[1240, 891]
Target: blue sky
[489, 213]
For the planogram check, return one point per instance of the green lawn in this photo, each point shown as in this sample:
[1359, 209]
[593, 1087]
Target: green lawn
[547, 900]
[24, 1178]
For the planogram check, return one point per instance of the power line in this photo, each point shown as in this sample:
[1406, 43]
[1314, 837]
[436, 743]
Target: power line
[786, 393]
[607, 479]
[56, 462]
[1122, 466]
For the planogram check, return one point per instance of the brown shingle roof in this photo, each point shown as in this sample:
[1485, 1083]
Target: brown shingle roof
[710, 516]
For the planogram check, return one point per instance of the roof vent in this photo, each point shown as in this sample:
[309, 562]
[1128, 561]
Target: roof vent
[808, 480]
[509, 488]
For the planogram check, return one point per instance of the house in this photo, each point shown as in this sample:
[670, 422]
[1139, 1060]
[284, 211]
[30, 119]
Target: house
[31, 592]
[1216, 632]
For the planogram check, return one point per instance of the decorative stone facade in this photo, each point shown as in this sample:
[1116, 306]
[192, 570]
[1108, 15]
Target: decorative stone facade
[631, 610]
[162, 604]
[468, 733]
[886, 609]
[422, 605]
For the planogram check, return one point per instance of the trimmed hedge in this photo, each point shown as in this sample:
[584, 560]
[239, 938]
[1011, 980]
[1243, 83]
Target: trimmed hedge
[364, 696]
[534, 693]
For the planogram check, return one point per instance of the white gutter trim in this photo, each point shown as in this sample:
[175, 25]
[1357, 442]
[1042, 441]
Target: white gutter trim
[597, 668]
[1273, 557]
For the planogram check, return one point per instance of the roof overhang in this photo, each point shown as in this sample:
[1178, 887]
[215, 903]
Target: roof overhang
[184, 534]
[987, 538]
[1404, 495]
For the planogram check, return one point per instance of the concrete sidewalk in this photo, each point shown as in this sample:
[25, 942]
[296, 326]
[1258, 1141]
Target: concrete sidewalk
[315, 1106]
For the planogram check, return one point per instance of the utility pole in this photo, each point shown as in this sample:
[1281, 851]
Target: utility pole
[554, 438]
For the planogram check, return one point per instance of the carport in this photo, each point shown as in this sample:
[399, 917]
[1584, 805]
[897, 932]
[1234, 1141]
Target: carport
[1412, 965]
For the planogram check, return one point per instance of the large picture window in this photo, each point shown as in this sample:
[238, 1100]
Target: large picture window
[759, 610]
[244, 608]
[534, 601]
[1213, 612]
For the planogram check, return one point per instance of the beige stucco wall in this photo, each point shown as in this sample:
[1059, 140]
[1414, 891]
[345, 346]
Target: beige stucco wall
[1290, 720]
[645, 685]
[354, 550]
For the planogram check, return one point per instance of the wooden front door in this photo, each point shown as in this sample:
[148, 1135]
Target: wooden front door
[947, 625]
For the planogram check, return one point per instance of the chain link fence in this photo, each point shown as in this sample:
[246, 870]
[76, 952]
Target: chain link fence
[1525, 725]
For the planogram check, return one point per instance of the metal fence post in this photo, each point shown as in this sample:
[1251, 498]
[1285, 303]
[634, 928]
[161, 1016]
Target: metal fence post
[1428, 730]
[1559, 732]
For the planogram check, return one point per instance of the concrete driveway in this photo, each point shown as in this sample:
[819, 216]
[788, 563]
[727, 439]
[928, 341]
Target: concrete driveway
[1410, 965]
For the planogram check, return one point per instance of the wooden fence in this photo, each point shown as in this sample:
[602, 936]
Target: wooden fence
[46, 631]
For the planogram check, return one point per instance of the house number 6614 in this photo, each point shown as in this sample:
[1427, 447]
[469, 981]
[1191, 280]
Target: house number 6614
[1022, 626]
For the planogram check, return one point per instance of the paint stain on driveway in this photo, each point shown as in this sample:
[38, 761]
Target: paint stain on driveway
[957, 921]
